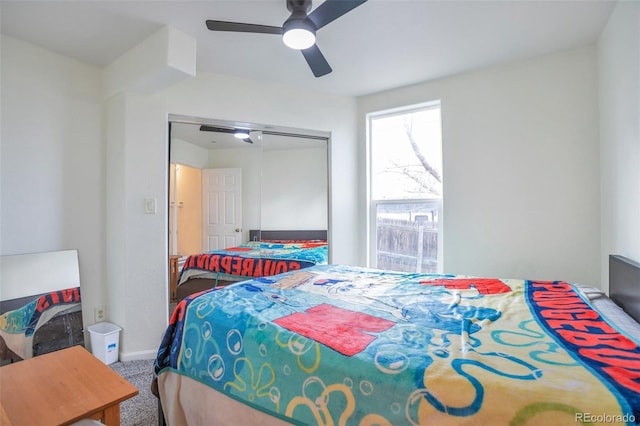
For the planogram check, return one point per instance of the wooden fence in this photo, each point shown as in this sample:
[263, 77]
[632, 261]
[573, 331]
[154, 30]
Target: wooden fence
[407, 246]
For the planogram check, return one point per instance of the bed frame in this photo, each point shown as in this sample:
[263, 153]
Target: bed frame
[624, 284]
[261, 234]
[195, 285]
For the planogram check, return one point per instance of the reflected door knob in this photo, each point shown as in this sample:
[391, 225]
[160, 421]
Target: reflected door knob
[238, 229]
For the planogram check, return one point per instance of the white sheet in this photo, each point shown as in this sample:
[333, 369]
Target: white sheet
[611, 311]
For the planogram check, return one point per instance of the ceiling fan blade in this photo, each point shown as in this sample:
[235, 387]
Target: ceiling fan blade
[205, 128]
[331, 10]
[316, 60]
[240, 27]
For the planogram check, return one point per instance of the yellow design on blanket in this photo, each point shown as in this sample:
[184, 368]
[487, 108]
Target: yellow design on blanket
[548, 388]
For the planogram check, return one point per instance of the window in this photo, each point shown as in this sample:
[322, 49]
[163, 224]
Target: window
[405, 189]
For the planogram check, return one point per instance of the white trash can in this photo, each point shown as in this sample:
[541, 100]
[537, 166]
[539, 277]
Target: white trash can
[105, 341]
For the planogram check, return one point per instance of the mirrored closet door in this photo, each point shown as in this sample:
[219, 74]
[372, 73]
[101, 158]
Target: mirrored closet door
[225, 188]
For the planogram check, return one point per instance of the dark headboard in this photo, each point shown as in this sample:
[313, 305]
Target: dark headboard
[624, 284]
[260, 234]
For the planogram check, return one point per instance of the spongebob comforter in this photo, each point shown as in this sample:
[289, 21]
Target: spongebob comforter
[255, 259]
[18, 326]
[344, 345]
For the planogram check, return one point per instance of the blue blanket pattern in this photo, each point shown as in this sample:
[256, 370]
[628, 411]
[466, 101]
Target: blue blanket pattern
[336, 344]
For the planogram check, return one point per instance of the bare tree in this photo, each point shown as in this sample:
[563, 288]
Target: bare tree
[408, 128]
[426, 181]
[423, 173]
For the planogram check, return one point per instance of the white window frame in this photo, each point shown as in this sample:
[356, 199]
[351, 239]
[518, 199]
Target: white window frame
[372, 235]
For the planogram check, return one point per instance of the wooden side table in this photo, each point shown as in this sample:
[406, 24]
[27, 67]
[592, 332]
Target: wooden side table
[60, 388]
[174, 274]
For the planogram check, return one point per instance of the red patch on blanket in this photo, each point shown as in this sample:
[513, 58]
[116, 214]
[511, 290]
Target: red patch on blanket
[483, 285]
[340, 329]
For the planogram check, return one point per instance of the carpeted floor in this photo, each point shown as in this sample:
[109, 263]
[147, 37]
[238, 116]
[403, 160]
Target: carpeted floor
[142, 409]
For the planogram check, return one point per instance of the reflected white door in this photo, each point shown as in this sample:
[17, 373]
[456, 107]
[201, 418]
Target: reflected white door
[222, 208]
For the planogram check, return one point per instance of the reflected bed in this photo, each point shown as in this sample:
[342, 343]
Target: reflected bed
[40, 304]
[267, 253]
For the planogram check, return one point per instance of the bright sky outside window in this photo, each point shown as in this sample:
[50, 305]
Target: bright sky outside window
[407, 155]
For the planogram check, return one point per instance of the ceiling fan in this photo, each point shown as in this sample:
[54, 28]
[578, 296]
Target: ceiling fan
[246, 134]
[243, 134]
[299, 30]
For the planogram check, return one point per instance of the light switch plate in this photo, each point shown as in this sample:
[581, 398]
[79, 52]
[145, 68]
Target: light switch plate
[150, 205]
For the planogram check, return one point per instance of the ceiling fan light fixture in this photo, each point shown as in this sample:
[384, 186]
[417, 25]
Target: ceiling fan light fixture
[299, 30]
[241, 134]
[298, 34]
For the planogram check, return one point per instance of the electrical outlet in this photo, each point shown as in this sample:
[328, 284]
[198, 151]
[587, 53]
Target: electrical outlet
[100, 313]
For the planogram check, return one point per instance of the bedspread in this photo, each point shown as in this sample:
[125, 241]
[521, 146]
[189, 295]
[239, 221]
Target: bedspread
[336, 344]
[18, 326]
[256, 259]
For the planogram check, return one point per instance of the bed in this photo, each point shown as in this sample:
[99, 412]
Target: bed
[40, 304]
[266, 253]
[335, 344]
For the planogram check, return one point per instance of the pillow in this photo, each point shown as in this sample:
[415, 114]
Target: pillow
[589, 292]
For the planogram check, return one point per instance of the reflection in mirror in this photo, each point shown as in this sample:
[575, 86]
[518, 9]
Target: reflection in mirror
[294, 183]
[40, 305]
[217, 178]
[224, 189]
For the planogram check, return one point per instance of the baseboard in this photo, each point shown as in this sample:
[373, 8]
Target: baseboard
[135, 356]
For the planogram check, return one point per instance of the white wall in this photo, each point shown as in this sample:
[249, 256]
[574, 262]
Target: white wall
[520, 166]
[294, 189]
[183, 152]
[52, 161]
[137, 243]
[619, 88]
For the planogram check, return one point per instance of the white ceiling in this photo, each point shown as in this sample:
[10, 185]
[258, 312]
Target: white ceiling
[382, 44]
